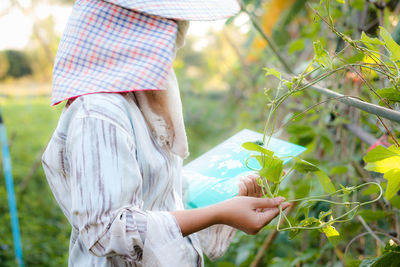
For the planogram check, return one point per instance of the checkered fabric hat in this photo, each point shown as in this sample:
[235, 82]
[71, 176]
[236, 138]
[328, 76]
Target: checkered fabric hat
[123, 45]
[183, 9]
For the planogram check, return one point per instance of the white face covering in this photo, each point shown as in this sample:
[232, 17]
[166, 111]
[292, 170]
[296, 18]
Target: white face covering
[163, 109]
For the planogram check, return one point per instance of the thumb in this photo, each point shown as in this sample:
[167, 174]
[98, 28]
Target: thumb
[268, 215]
[267, 202]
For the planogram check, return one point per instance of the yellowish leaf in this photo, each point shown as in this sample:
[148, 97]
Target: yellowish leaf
[330, 231]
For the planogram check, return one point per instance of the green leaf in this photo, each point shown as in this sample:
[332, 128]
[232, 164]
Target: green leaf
[325, 182]
[297, 45]
[340, 1]
[327, 7]
[323, 214]
[373, 45]
[379, 153]
[260, 159]
[303, 166]
[393, 186]
[392, 247]
[310, 221]
[395, 149]
[382, 159]
[273, 172]
[272, 71]
[368, 40]
[389, 258]
[390, 94]
[357, 57]
[255, 147]
[368, 262]
[289, 85]
[391, 45]
[322, 56]
[384, 165]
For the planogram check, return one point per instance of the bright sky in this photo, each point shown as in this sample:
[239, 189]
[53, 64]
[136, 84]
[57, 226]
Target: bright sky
[16, 28]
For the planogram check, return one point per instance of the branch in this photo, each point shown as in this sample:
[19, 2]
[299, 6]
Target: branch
[360, 133]
[368, 233]
[386, 113]
[370, 230]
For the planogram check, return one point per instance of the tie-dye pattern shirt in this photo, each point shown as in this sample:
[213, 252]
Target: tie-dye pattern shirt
[116, 184]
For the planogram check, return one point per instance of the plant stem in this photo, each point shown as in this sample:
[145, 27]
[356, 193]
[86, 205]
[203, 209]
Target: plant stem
[321, 199]
[370, 230]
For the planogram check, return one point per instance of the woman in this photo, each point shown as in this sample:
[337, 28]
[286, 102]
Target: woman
[114, 163]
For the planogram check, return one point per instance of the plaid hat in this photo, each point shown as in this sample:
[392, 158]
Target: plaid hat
[123, 45]
[183, 9]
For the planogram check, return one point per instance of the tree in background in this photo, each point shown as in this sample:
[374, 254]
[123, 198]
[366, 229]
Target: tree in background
[14, 64]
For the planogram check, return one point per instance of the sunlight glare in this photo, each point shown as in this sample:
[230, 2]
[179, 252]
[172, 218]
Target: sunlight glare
[16, 29]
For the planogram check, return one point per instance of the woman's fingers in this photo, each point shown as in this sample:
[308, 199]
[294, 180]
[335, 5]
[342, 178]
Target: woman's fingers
[270, 213]
[250, 214]
[267, 202]
[252, 186]
[242, 189]
[248, 186]
[258, 190]
[267, 215]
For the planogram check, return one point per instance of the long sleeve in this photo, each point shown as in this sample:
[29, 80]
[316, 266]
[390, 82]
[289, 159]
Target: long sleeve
[106, 195]
[116, 186]
[214, 240]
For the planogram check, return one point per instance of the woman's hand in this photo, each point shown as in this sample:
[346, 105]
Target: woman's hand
[247, 211]
[249, 214]
[248, 186]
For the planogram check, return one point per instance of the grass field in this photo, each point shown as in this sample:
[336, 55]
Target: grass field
[44, 230]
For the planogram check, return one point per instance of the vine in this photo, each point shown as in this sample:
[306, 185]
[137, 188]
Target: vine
[379, 159]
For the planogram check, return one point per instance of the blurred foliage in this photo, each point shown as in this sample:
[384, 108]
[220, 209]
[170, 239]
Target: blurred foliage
[14, 64]
[224, 89]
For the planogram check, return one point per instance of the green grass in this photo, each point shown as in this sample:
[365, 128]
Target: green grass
[44, 229]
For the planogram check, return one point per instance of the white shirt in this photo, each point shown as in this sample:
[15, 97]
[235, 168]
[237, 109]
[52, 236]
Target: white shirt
[116, 184]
